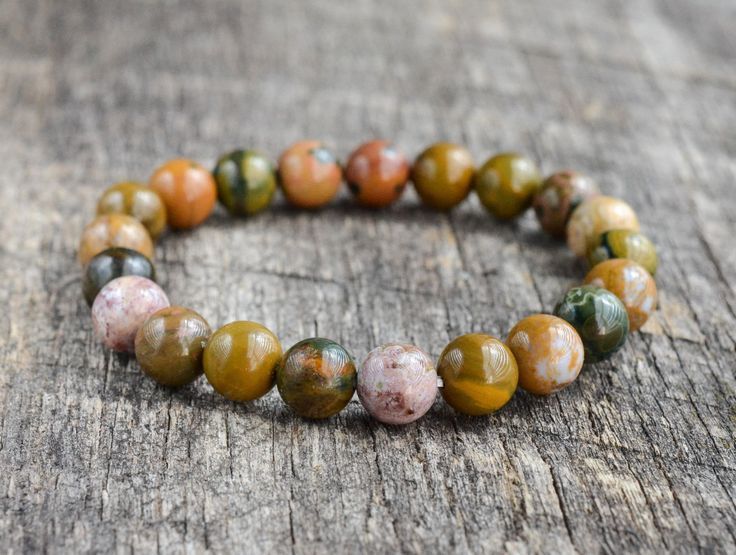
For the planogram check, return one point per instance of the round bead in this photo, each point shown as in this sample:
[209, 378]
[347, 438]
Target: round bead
[246, 182]
[170, 344]
[561, 193]
[548, 351]
[479, 374]
[631, 283]
[598, 316]
[594, 216]
[121, 307]
[113, 263]
[506, 183]
[114, 230]
[138, 201]
[187, 190]
[397, 383]
[316, 378]
[377, 173]
[309, 174]
[624, 243]
[443, 175]
[240, 360]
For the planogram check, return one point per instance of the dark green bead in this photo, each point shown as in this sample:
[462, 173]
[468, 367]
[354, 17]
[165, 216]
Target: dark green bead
[246, 182]
[113, 263]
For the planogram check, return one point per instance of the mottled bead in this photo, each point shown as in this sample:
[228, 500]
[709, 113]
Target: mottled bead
[240, 360]
[443, 175]
[187, 190]
[121, 307]
[624, 243]
[479, 374]
[599, 317]
[397, 383]
[113, 263]
[246, 182]
[309, 174]
[114, 230]
[506, 183]
[594, 216]
[316, 378]
[377, 173]
[631, 283]
[561, 193]
[136, 200]
[548, 351]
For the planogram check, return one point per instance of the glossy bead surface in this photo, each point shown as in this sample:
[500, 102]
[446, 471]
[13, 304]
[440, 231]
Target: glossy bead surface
[443, 175]
[548, 351]
[170, 344]
[113, 263]
[599, 317]
[316, 378]
[246, 182]
[138, 201]
[309, 174]
[376, 173]
[187, 190]
[121, 307]
[506, 183]
[631, 283]
[397, 383]
[561, 193]
[114, 230]
[594, 216]
[479, 374]
[624, 243]
[240, 360]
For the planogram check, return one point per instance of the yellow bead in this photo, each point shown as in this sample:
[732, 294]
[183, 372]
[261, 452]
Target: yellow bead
[593, 217]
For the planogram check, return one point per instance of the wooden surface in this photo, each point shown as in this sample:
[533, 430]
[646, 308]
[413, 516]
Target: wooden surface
[638, 455]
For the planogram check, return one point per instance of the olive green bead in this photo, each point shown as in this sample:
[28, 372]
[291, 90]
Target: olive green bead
[136, 200]
[246, 182]
[624, 243]
[506, 184]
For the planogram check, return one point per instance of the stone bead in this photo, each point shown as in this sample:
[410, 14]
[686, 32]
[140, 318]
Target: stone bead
[113, 263]
[443, 175]
[599, 317]
[548, 351]
[506, 183]
[624, 243]
[595, 216]
[309, 174]
[246, 182]
[631, 283]
[240, 360]
[316, 378]
[397, 383]
[479, 374]
[170, 344]
[114, 230]
[187, 190]
[121, 307]
[377, 173]
[136, 200]
[560, 195]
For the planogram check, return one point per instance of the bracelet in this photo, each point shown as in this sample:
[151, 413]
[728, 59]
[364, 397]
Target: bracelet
[397, 383]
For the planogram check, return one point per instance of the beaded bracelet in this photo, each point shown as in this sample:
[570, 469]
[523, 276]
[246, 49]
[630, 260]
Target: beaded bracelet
[397, 383]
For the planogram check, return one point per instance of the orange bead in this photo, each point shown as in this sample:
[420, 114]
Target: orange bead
[309, 174]
[377, 173]
[188, 191]
[114, 230]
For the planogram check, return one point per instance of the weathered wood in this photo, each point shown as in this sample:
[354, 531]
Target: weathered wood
[638, 455]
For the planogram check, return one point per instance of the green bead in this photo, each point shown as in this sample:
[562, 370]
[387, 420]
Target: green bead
[246, 182]
[624, 243]
[506, 184]
[113, 263]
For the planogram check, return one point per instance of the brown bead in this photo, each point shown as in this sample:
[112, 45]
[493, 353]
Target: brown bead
[138, 201]
[377, 173]
[561, 193]
[188, 191]
[443, 175]
[309, 174]
[114, 230]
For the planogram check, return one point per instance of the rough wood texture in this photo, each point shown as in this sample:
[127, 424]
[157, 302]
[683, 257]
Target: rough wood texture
[638, 455]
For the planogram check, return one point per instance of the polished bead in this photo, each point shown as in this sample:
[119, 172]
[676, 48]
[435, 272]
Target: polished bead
[170, 344]
[599, 317]
[316, 378]
[397, 383]
[240, 360]
[479, 374]
[548, 351]
[594, 216]
[561, 193]
[138, 201]
[377, 173]
[506, 183]
[246, 182]
[113, 263]
[624, 243]
[188, 192]
[309, 174]
[114, 230]
[443, 175]
[121, 307]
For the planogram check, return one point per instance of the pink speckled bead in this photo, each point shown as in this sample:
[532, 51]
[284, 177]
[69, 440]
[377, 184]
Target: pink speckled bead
[121, 307]
[397, 383]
